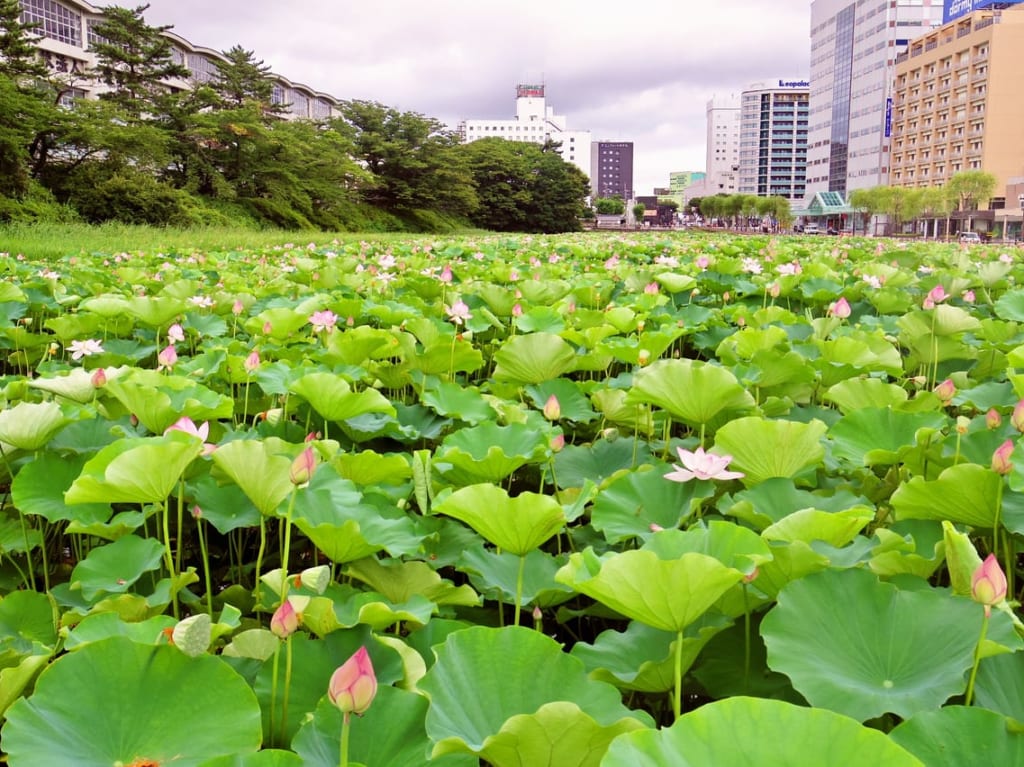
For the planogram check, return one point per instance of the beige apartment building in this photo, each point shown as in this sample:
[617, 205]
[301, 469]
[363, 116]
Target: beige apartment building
[958, 104]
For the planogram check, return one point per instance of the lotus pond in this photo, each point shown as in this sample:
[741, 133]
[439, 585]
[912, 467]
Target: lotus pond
[588, 500]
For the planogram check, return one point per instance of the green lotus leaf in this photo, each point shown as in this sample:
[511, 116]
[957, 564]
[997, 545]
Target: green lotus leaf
[517, 525]
[16, 676]
[76, 384]
[271, 757]
[872, 435]
[693, 392]
[763, 448]
[809, 525]
[259, 469]
[674, 282]
[400, 581]
[258, 644]
[543, 292]
[155, 311]
[159, 400]
[456, 401]
[776, 498]
[540, 319]
[226, 507]
[955, 736]
[856, 393]
[390, 734]
[643, 658]
[572, 403]
[333, 398]
[27, 622]
[282, 322]
[1010, 306]
[135, 470]
[768, 733]
[110, 702]
[487, 665]
[99, 626]
[324, 615]
[108, 305]
[39, 486]
[667, 595]
[914, 657]
[963, 494]
[912, 546]
[748, 341]
[533, 359]
[369, 468]
[114, 567]
[633, 502]
[576, 464]
[494, 574]
[30, 425]
[488, 452]
[849, 356]
[950, 320]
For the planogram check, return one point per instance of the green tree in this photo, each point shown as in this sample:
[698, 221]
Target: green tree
[610, 206]
[22, 115]
[972, 189]
[135, 60]
[19, 58]
[638, 213]
[937, 202]
[243, 79]
[867, 203]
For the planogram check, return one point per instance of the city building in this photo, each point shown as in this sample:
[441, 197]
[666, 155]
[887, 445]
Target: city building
[958, 103]
[680, 181]
[723, 145]
[611, 169]
[854, 44]
[534, 121]
[773, 139]
[67, 28]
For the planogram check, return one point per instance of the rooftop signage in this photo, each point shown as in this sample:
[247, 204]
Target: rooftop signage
[529, 91]
[797, 83]
[954, 9]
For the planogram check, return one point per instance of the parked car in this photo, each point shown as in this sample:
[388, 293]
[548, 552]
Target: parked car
[970, 237]
[812, 229]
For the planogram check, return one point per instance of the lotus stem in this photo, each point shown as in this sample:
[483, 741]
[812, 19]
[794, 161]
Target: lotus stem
[206, 566]
[519, 588]
[285, 554]
[259, 554]
[343, 759]
[677, 699]
[977, 657]
[995, 527]
[746, 641]
[28, 552]
[245, 402]
[181, 522]
[169, 554]
[271, 729]
[287, 688]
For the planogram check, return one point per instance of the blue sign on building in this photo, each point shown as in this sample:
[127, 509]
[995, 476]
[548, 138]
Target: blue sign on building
[954, 9]
[888, 117]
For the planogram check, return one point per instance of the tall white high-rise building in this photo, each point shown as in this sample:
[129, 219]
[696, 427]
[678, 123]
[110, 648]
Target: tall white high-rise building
[535, 121]
[854, 44]
[723, 145]
[773, 139]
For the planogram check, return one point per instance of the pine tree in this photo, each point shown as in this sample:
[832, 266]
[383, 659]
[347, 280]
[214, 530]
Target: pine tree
[243, 79]
[19, 59]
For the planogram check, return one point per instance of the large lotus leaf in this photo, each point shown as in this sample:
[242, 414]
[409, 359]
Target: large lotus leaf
[862, 353]
[488, 452]
[763, 448]
[1010, 306]
[325, 615]
[863, 648]
[259, 469]
[495, 574]
[271, 757]
[135, 470]
[668, 595]
[444, 358]
[963, 494]
[949, 320]
[400, 581]
[757, 731]
[1000, 685]
[748, 341]
[857, 393]
[226, 506]
[809, 525]
[111, 703]
[598, 461]
[76, 384]
[774, 499]
[571, 401]
[39, 486]
[281, 321]
[370, 468]
[106, 305]
[730, 544]
[332, 397]
[356, 345]
[691, 391]
[17, 674]
[27, 623]
[114, 567]
[643, 658]
[517, 525]
[99, 626]
[455, 401]
[159, 400]
[155, 311]
[390, 734]
[487, 666]
[873, 436]
[30, 425]
[913, 546]
[955, 736]
[533, 359]
[636, 500]
[927, 344]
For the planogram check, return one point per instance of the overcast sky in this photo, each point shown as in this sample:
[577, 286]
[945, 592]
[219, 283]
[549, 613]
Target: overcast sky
[640, 72]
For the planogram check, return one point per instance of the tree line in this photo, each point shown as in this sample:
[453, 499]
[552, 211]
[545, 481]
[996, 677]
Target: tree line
[223, 152]
[743, 211]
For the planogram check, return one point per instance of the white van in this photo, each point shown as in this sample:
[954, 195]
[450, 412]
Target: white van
[812, 229]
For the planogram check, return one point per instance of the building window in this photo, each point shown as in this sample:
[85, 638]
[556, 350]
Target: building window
[54, 20]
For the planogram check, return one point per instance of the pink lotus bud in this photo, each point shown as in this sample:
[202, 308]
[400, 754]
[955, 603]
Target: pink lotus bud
[651, 288]
[655, 527]
[968, 296]
[446, 274]
[988, 583]
[175, 333]
[552, 408]
[840, 309]
[197, 513]
[992, 419]
[99, 378]
[285, 620]
[267, 328]
[1017, 417]
[1001, 463]
[557, 443]
[945, 391]
[935, 296]
[517, 310]
[237, 307]
[354, 685]
[252, 361]
[303, 467]
[165, 359]
[774, 290]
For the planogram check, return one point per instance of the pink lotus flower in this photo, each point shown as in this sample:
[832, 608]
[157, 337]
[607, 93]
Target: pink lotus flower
[557, 443]
[935, 296]
[945, 391]
[166, 358]
[175, 333]
[840, 309]
[651, 288]
[988, 583]
[552, 408]
[201, 432]
[285, 621]
[446, 274]
[458, 312]
[1001, 463]
[992, 419]
[323, 320]
[85, 348]
[252, 362]
[702, 262]
[303, 467]
[701, 465]
[354, 685]
[237, 307]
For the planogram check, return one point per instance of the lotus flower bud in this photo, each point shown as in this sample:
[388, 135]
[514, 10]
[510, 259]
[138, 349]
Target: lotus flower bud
[237, 307]
[557, 443]
[166, 358]
[303, 467]
[840, 309]
[552, 408]
[988, 583]
[252, 361]
[354, 685]
[963, 423]
[285, 620]
[99, 378]
[1017, 417]
[992, 419]
[1001, 463]
[945, 391]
